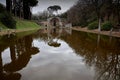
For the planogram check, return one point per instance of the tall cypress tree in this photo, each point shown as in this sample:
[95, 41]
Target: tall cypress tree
[27, 4]
[9, 5]
[14, 5]
[26, 9]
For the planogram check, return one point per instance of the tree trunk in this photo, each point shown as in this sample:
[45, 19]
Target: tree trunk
[14, 4]
[26, 10]
[99, 19]
[20, 13]
[9, 5]
[118, 17]
[118, 12]
[99, 25]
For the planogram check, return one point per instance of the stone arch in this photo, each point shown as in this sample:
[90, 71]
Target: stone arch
[55, 21]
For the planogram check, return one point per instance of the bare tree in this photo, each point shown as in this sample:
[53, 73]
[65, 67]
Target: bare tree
[98, 6]
[117, 5]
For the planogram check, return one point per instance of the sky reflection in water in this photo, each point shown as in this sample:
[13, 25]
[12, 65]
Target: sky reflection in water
[80, 56]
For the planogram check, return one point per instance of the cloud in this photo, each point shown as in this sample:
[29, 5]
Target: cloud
[44, 4]
[3, 2]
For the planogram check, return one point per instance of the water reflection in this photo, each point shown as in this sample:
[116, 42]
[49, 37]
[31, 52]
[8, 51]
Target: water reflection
[21, 51]
[102, 52]
[96, 56]
[53, 35]
[98, 52]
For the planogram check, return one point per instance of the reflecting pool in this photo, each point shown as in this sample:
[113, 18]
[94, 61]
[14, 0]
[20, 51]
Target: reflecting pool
[59, 56]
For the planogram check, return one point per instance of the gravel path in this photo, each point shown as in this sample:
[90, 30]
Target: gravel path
[114, 33]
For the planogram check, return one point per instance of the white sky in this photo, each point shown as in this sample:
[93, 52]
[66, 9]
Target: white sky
[44, 4]
[3, 1]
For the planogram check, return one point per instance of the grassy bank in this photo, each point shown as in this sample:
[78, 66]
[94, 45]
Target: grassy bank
[25, 24]
[21, 26]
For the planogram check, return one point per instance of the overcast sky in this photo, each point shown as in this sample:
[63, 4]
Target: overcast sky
[3, 1]
[43, 4]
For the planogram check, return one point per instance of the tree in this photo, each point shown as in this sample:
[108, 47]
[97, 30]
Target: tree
[64, 15]
[9, 5]
[27, 4]
[98, 6]
[108, 9]
[2, 8]
[15, 7]
[50, 9]
[54, 8]
[6, 18]
[80, 14]
[19, 6]
[117, 6]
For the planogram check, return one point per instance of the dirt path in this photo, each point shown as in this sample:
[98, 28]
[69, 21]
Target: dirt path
[114, 34]
[12, 31]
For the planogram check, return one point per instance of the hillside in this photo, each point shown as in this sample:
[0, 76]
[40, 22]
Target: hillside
[22, 24]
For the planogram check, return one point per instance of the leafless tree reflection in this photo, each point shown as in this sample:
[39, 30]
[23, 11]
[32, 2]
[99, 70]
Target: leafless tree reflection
[98, 52]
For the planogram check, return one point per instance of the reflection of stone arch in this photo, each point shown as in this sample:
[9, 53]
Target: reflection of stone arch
[54, 37]
[55, 21]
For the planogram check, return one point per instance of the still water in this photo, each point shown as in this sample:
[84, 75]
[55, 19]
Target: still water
[61, 56]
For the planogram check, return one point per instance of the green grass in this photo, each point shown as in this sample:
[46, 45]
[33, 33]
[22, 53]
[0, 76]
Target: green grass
[22, 25]
[25, 24]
